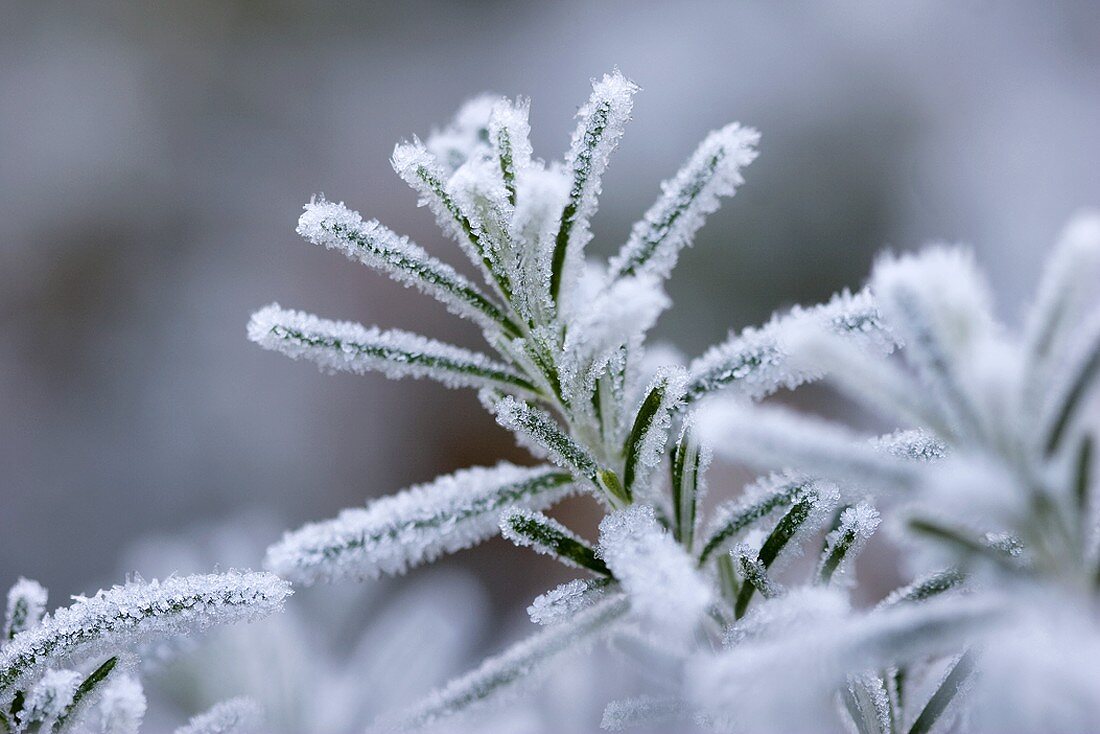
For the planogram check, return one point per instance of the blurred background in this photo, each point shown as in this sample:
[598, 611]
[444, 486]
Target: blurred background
[155, 157]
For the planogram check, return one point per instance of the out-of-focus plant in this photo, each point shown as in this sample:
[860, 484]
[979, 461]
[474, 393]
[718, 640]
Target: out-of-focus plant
[1001, 497]
[73, 669]
[732, 635]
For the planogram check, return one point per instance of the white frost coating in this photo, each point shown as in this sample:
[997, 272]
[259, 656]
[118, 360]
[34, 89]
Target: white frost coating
[344, 346]
[122, 616]
[617, 316]
[628, 713]
[881, 385]
[713, 171]
[49, 698]
[916, 444]
[940, 305]
[658, 575]
[1067, 288]
[122, 706]
[797, 611]
[500, 674]
[416, 525]
[769, 437]
[235, 716]
[336, 227]
[562, 602]
[601, 122]
[26, 605]
[464, 138]
[757, 362]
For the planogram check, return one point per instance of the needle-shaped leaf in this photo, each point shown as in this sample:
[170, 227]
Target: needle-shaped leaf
[349, 347]
[645, 444]
[712, 172]
[336, 227]
[530, 529]
[416, 525]
[601, 123]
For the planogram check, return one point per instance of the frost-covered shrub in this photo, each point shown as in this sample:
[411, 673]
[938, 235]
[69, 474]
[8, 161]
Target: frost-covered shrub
[987, 483]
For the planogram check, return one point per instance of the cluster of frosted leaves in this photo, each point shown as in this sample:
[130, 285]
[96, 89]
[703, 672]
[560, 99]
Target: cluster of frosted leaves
[992, 484]
[573, 378]
[73, 669]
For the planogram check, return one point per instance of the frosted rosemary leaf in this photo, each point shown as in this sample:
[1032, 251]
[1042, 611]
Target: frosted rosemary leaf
[122, 616]
[349, 347]
[543, 433]
[419, 169]
[641, 711]
[563, 601]
[336, 227]
[940, 305]
[416, 525]
[770, 437]
[713, 171]
[758, 360]
[509, 134]
[122, 706]
[601, 123]
[844, 542]
[645, 444]
[760, 500]
[546, 535]
[689, 463]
